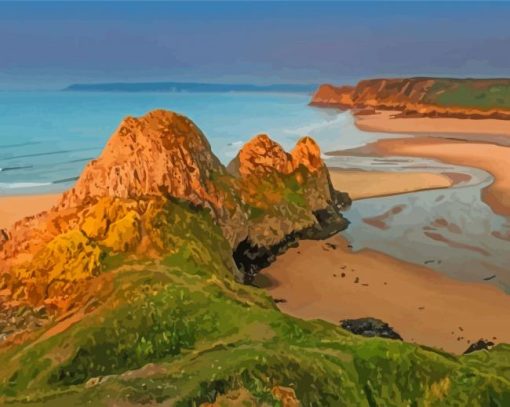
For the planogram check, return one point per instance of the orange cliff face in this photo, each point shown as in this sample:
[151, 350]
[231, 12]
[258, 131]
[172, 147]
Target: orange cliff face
[333, 96]
[282, 189]
[127, 202]
[421, 97]
[161, 154]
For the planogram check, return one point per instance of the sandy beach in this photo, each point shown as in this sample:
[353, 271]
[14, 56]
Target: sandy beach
[326, 280]
[383, 121]
[488, 157]
[369, 184]
[13, 208]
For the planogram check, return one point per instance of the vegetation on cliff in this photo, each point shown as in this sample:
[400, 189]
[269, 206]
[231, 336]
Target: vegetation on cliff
[441, 97]
[130, 285]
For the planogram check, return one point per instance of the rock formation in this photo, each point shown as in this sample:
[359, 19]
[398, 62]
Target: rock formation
[287, 196]
[422, 97]
[136, 197]
[160, 154]
[370, 327]
[481, 344]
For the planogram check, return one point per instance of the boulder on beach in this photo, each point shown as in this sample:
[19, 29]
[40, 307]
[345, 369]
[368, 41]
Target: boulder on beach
[370, 327]
[481, 344]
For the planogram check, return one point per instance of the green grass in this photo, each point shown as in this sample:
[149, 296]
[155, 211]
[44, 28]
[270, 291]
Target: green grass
[470, 93]
[188, 332]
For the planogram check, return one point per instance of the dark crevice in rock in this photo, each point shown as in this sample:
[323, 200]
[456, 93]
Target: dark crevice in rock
[251, 258]
[3, 237]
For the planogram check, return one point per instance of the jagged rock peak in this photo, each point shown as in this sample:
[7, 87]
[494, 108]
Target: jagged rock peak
[307, 153]
[159, 153]
[262, 155]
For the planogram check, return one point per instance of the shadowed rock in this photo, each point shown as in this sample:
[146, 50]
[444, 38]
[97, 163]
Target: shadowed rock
[481, 344]
[370, 327]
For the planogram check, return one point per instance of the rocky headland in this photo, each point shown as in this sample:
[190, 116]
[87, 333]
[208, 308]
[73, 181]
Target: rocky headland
[421, 97]
[122, 201]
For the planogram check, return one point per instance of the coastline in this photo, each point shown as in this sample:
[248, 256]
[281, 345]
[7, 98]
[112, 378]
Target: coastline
[468, 129]
[411, 298]
[374, 184]
[461, 151]
[327, 280]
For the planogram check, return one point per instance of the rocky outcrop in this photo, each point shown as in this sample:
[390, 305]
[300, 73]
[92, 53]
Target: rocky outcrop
[481, 344]
[333, 96]
[160, 154]
[288, 196]
[370, 327]
[157, 184]
[422, 97]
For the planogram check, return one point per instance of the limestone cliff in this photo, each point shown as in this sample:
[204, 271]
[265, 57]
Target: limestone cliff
[287, 196]
[160, 154]
[157, 178]
[430, 97]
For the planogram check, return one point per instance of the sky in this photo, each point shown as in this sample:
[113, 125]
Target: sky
[48, 45]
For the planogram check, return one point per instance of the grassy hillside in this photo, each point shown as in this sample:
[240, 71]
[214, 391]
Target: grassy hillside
[482, 94]
[179, 331]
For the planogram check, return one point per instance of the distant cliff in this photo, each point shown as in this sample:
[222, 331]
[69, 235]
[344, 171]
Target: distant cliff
[423, 97]
[189, 87]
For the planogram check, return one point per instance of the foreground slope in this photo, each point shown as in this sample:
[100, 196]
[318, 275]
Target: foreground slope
[125, 293]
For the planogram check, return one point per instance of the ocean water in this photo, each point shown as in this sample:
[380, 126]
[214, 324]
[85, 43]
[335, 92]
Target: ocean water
[46, 138]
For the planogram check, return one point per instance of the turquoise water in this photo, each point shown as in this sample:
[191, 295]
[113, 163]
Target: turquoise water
[46, 138]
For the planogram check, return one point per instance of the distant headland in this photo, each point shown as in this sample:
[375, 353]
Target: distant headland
[422, 97]
[191, 87]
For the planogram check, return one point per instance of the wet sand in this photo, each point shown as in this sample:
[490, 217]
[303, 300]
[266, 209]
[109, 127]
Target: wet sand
[489, 157]
[369, 184]
[13, 208]
[426, 307]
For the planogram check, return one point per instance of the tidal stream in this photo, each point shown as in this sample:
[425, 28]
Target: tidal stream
[450, 230]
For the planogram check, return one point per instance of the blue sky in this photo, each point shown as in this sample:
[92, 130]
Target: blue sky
[52, 44]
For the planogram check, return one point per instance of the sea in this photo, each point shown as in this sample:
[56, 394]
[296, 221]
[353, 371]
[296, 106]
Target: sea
[46, 138]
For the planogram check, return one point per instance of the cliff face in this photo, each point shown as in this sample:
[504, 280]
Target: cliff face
[441, 97]
[155, 179]
[287, 196]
